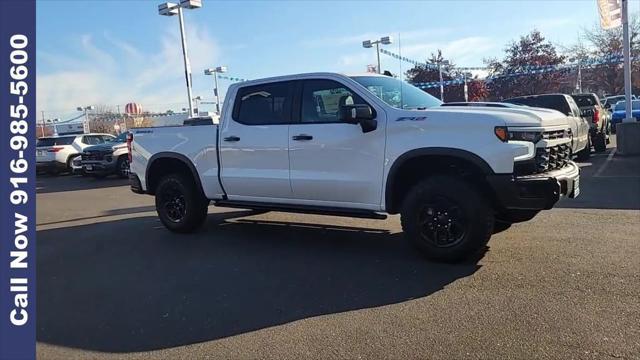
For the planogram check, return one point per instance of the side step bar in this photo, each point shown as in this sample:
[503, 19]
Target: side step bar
[302, 209]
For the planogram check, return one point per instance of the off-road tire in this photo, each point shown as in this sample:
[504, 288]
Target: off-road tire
[474, 210]
[181, 206]
[599, 142]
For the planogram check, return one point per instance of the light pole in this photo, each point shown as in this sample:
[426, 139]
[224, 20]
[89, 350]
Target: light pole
[385, 40]
[170, 9]
[216, 92]
[197, 100]
[440, 63]
[85, 124]
[466, 87]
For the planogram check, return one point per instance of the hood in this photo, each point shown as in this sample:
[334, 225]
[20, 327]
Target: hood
[108, 146]
[521, 116]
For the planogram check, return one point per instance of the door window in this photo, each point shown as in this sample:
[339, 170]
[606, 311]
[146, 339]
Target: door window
[266, 104]
[322, 99]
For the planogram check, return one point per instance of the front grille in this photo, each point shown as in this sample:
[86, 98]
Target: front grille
[94, 155]
[552, 158]
[555, 134]
[546, 159]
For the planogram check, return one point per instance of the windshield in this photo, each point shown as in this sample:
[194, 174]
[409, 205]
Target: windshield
[635, 105]
[120, 138]
[396, 93]
[585, 100]
[554, 102]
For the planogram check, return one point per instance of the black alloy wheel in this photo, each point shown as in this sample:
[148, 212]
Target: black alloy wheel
[442, 223]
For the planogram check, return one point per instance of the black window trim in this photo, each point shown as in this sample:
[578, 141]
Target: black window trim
[298, 109]
[238, 100]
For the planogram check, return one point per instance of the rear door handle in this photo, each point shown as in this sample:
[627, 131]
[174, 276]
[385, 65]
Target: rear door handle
[302, 137]
[232, 138]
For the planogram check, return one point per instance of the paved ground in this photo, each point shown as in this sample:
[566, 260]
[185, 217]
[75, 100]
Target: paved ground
[113, 283]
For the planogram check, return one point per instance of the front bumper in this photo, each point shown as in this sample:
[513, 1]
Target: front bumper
[99, 167]
[538, 191]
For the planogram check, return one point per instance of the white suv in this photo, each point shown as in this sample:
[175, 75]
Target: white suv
[55, 154]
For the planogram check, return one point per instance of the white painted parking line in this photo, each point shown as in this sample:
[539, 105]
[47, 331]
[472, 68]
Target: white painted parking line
[606, 162]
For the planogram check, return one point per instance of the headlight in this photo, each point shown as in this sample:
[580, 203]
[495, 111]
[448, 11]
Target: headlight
[531, 136]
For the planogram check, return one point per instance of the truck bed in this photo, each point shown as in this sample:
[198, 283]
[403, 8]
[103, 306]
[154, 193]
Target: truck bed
[197, 143]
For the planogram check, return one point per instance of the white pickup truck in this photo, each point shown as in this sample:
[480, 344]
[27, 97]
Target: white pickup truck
[361, 146]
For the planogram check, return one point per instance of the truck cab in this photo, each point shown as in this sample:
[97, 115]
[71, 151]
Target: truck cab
[362, 146]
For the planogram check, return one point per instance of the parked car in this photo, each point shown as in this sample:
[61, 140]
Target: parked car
[201, 120]
[598, 118]
[619, 113]
[55, 154]
[332, 144]
[581, 143]
[111, 157]
[609, 101]
[481, 104]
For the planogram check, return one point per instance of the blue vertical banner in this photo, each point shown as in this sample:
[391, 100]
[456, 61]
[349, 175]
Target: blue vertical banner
[17, 179]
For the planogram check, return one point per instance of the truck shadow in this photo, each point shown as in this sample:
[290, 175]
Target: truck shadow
[130, 285]
[66, 182]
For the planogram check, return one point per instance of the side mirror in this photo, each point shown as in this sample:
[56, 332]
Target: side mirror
[359, 114]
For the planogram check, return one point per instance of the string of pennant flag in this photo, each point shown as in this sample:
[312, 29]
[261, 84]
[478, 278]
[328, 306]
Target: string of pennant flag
[522, 71]
[230, 78]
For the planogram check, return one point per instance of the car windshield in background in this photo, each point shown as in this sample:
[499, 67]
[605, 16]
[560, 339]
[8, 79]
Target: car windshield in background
[120, 138]
[549, 102]
[397, 93]
[53, 141]
[635, 105]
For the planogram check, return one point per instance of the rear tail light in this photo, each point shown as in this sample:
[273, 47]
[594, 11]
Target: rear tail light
[55, 149]
[596, 115]
[129, 141]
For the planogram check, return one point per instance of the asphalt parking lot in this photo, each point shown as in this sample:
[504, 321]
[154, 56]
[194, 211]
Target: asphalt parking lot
[113, 283]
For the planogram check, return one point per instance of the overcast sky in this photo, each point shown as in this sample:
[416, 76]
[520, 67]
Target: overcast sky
[114, 52]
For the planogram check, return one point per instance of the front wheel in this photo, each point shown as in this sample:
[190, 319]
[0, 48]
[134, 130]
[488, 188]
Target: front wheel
[122, 167]
[181, 207]
[447, 219]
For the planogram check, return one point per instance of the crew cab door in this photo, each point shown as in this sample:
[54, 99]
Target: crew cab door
[334, 163]
[254, 144]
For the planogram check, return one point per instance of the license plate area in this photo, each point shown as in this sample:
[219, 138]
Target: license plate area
[88, 167]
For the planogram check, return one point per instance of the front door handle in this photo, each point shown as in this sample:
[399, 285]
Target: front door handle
[302, 137]
[232, 138]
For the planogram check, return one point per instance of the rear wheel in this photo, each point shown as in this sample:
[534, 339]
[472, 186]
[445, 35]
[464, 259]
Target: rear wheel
[599, 142]
[447, 219]
[181, 207]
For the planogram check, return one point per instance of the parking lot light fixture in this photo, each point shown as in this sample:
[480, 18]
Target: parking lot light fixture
[85, 123]
[216, 92]
[385, 40]
[171, 9]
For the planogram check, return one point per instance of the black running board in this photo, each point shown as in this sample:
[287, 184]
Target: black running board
[302, 209]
